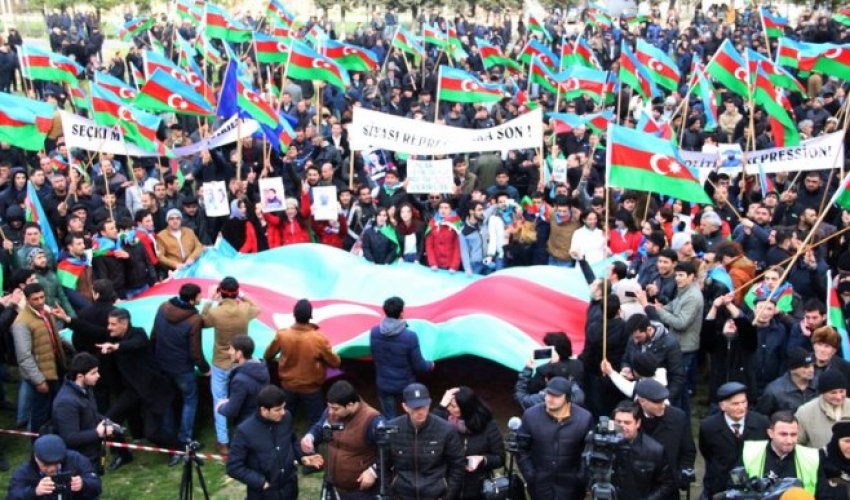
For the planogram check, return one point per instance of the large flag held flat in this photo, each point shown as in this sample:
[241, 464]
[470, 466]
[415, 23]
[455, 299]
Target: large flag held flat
[641, 161]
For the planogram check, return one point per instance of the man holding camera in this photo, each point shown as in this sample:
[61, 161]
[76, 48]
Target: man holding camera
[643, 471]
[425, 453]
[349, 426]
[54, 470]
[556, 431]
[75, 415]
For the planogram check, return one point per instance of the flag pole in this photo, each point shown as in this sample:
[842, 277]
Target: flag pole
[763, 29]
[605, 277]
[682, 126]
[389, 52]
[437, 100]
[832, 170]
[815, 226]
[351, 170]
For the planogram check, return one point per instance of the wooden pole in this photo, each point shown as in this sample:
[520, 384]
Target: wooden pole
[239, 150]
[605, 283]
[682, 126]
[351, 170]
[437, 97]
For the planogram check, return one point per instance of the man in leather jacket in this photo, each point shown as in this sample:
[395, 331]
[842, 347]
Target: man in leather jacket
[641, 471]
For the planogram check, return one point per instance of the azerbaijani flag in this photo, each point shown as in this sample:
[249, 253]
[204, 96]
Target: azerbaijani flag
[406, 42]
[277, 11]
[728, 67]
[69, 270]
[24, 122]
[537, 26]
[269, 49]
[788, 53]
[191, 10]
[535, 49]
[307, 64]
[35, 213]
[492, 55]
[634, 74]
[459, 86]
[843, 17]
[135, 27]
[708, 96]
[777, 74]
[827, 58]
[351, 57]
[598, 122]
[125, 92]
[641, 161]
[584, 55]
[239, 98]
[454, 47]
[580, 80]
[780, 113]
[660, 67]
[193, 71]
[433, 35]
[165, 93]
[207, 50]
[835, 314]
[152, 61]
[567, 53]
[40, 64]
[842, 196]
[316, 36]
[782, 296]
[220, 24]
[543, 76]
[774, 25]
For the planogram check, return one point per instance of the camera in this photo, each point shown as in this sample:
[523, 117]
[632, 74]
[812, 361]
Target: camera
[603, 445]
[61, 483]
[383, 433]
[328, 429]
[756, 488]
[116, 429]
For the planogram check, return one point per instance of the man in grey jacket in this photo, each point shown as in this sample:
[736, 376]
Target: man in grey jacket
[473, 242]
[683, 317]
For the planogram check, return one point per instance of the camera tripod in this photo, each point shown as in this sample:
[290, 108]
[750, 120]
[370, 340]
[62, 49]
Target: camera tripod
[187, 489]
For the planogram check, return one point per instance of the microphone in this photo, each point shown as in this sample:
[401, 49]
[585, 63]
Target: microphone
[514, 423]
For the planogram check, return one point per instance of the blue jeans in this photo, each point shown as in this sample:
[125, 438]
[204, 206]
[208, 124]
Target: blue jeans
[40, 405]
[188, 386]
[409, 257]
[389, 404]
[560, 263]
[135, 291]
[219, 379]
[483, 269]
[313, 401]
[24, 405]
[683, 402]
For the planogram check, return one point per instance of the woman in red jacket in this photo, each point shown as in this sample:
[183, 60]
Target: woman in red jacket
[442, 242]
[625, 235]
[290, 227]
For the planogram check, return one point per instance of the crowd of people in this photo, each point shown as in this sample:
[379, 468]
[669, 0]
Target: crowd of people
[712, 289]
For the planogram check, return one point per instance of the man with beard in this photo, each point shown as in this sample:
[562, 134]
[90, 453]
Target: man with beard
[54, 292]
[361, 214]
[77, 271]
[32, 240]
[473, 248]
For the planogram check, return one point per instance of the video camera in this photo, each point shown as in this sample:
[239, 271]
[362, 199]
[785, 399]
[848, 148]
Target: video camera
[516, 441]
[61, 482]
[756, 488]
[116, 429]
[328, 429]
[603, 445]
[383, 433]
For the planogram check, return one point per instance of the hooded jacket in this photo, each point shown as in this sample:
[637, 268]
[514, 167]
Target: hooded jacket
[397, 356]
[666, 350]
[245, 382]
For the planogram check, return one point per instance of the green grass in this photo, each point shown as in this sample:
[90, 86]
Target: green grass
[148, 476]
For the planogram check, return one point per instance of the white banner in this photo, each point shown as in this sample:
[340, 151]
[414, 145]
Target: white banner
[225, 134]
[430, 176]
[819, 153]
[372, 129]
[83, 133]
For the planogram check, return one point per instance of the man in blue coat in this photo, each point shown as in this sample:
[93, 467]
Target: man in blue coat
[397, 356]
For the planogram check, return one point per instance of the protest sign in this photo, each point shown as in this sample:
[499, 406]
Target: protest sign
[559, 170]
[82, 133]
[224, 134]
[215, 199]
[826, 151]
[372, 129]
[430, 176]
[272, 195]
[324, 203]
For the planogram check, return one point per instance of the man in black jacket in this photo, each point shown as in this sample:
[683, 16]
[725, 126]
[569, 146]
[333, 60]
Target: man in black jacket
[425, 455]
[556, 430]
[669, 426]
[264, 448]
[245, 381]
[75, 415]
[722, 435]
[641, 471]
[652, 336]
[34, 479]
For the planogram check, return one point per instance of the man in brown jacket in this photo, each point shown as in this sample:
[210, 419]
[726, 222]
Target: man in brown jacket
[229, 319]
[305, 353]
[562, 226]
[178, 246]
[41, 357]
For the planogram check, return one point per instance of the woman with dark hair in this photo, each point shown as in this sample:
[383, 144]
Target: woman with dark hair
[379, 240]
[238, 231]
[410, 233]
[484, 447]
[625, 236]
[835, 464]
